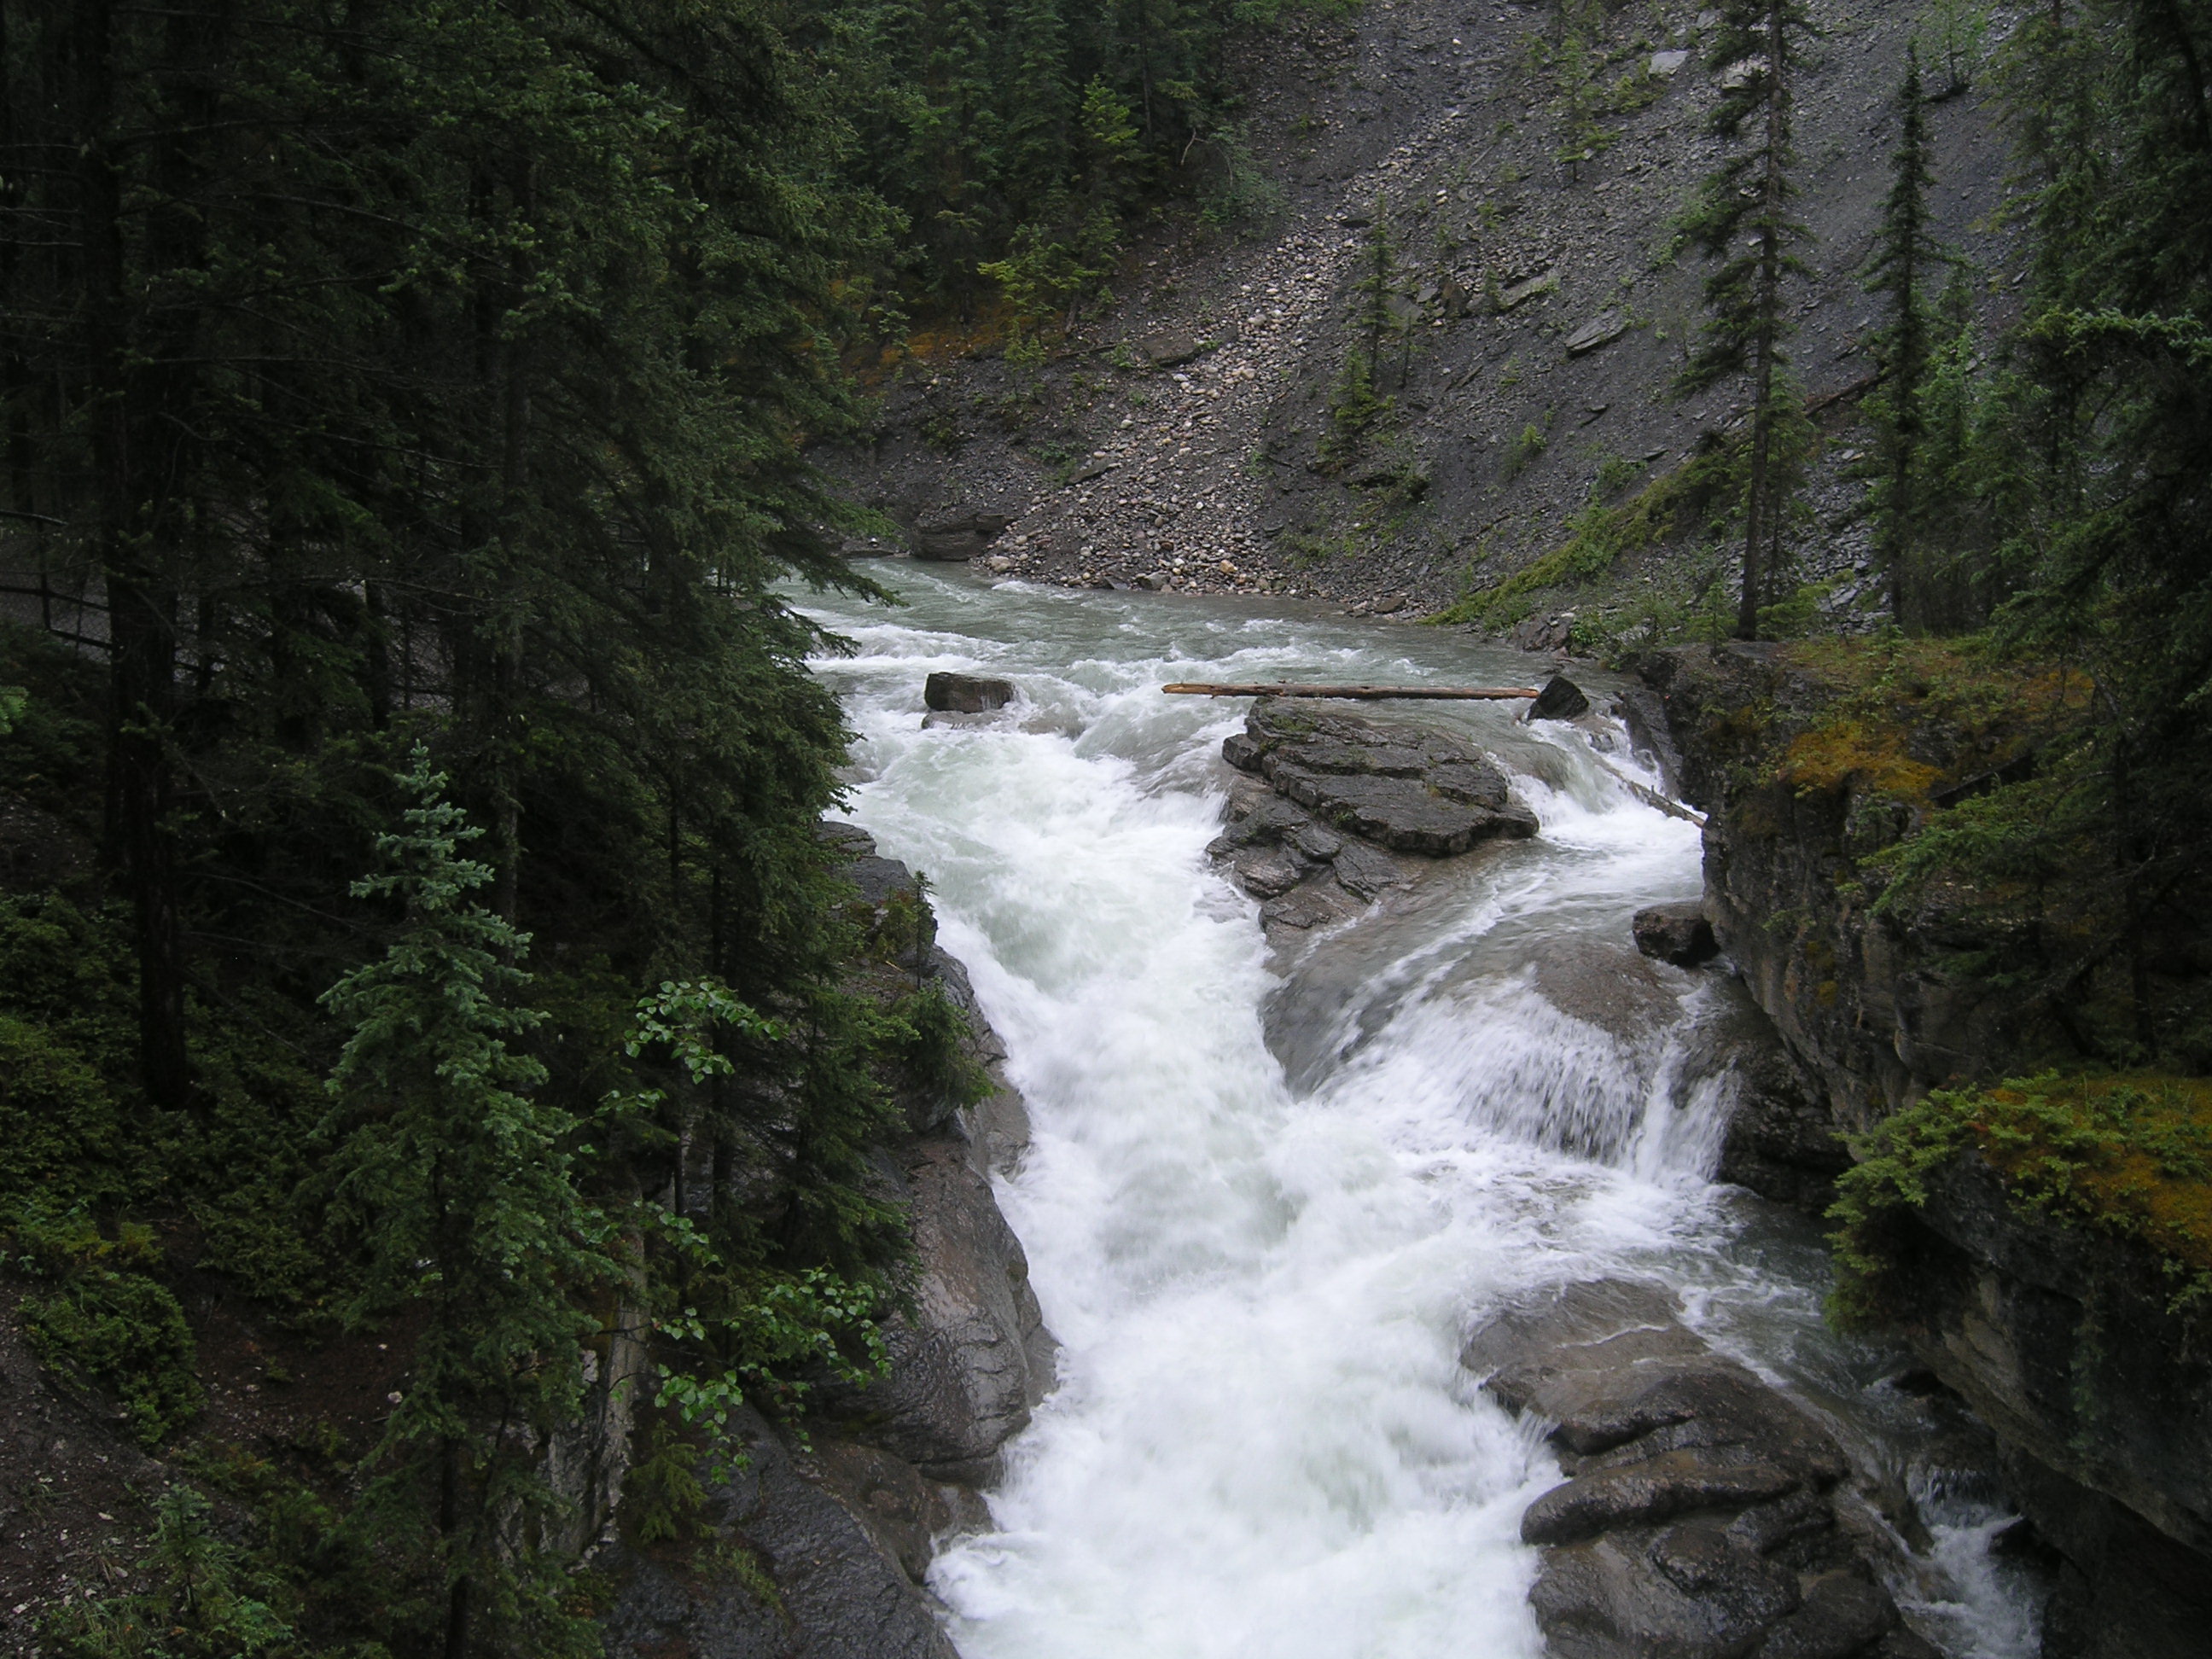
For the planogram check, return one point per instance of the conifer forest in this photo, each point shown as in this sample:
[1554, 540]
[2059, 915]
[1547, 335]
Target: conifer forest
[494, 1162]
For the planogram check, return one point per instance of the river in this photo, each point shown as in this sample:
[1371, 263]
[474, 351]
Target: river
[1270, 1190]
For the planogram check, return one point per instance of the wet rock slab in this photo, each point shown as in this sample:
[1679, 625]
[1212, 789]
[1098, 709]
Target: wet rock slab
[1332, 797]
[1675, 933]
[1701, 1517]
[790, 1569]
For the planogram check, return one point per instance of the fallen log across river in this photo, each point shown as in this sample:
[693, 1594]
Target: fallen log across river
[1370, 693]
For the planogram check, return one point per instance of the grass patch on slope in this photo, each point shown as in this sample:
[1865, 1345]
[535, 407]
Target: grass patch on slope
[1679, 502]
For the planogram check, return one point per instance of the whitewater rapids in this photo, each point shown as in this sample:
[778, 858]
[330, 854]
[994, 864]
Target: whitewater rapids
[1268, 1197]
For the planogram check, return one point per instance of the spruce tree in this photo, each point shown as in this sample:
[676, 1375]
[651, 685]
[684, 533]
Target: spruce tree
[2086, 446]
[1904, 261]
[449, 374]
[1740, 218]
[1040, 135]
[458, 1184]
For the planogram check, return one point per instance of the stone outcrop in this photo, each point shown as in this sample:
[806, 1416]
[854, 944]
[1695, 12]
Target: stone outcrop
[817, 1548]
[794, 1570]
[1865, 1001]
[965, 694]
[970, 1355]
[973, 1357]
[956, 536]
[1703, 1515]
[2062, 1340]
[1865, 1011]
[1675, 933]
[2100, 1395]
[1781, 1140]
[1330, 797]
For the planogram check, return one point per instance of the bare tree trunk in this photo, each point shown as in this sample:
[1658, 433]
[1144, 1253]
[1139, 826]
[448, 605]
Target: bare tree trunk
[141, 609]
[456, 1645]
[515, 450]
[1144, 61]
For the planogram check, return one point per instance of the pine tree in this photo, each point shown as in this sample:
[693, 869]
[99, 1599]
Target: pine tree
[448, 374]
[1905, 259]
[1040, 137]
[2085, 446]
[1740, 218]
[459, 1186]
[1954, 497]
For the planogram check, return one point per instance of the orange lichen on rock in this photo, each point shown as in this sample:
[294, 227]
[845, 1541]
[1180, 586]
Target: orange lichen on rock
[1911, 718]
[2132, 1151]
[1861, 754]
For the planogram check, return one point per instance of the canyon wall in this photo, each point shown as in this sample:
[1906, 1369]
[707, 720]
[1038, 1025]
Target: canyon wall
[817, 1548]
[2061, 1338]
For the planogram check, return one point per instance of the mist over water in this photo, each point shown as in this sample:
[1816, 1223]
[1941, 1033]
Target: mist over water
[1266, 1201]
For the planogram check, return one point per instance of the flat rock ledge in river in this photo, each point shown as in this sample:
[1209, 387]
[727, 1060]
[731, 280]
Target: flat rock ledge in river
[1702, 1516]
[1340, 795]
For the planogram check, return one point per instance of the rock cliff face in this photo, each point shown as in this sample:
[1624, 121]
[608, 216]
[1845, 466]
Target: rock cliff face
[1865, 1002]
[2100, 1396]
[817, 1550]
[2062, 1340]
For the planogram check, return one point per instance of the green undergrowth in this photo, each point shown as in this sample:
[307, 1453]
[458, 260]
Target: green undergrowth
[2124, 1156]
[1904, 718]
[305, 1210]
[206, 1599]
[1683, 502]
[96, 1313]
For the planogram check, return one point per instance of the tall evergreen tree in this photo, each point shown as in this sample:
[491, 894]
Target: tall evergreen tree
[459, 1185]
[1040, 123]
[1904, 261]
[2089, 452]
[448, 368]
[1740, 218]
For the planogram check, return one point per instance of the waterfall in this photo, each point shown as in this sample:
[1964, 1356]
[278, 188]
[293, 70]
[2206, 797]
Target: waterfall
[1271, 1188]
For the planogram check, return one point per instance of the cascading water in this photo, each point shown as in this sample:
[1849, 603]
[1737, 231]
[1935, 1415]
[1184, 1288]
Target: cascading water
[1266, 1199]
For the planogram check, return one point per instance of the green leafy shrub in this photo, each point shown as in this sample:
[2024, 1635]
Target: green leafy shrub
[206, 1603]
[1522, 453]
[2125, 1155]
[1599, 535]
[1238, 196]
[127, 1333]
[60, 1128]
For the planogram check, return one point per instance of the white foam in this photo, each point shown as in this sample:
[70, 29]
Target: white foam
[1263, 1445]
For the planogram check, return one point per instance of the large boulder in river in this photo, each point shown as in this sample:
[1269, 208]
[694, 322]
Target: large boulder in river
[1561, 699]
[1675, 933]
[965, 694]
[1305, 872]
[1702, 1517]
[1403, 788]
